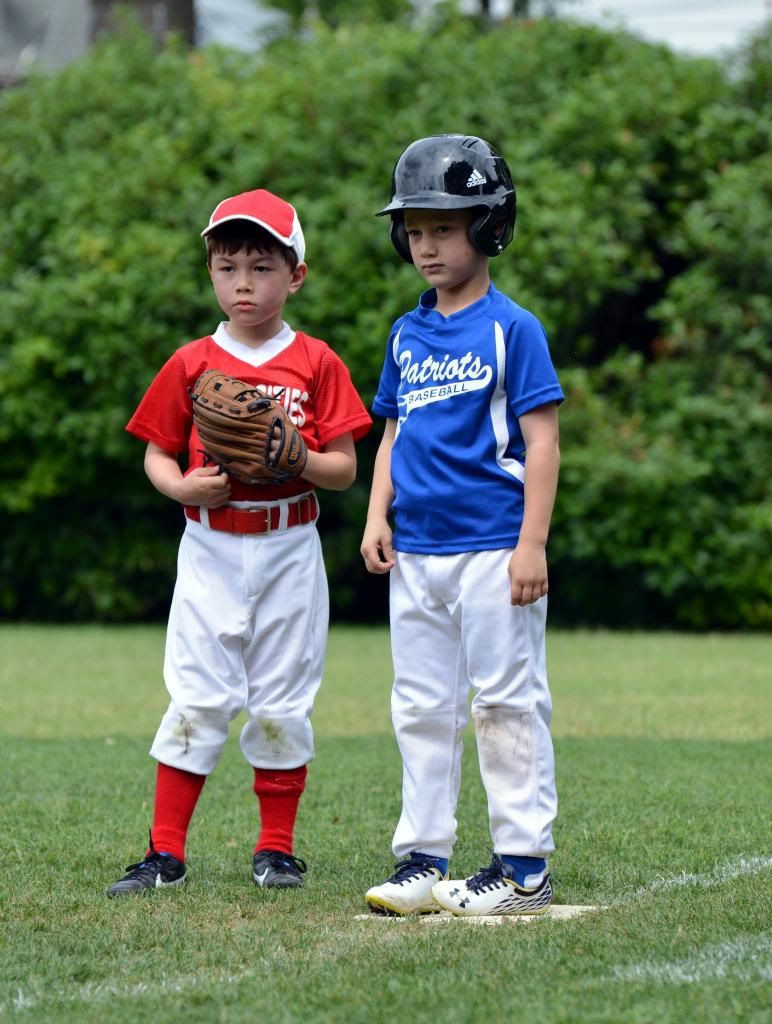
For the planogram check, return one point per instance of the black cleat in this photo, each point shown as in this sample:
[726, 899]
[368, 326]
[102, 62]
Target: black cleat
[157, 871]
[274, 870]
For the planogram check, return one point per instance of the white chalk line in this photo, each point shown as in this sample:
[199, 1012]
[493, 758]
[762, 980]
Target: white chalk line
[720, 874]
[748, 960]
[99, 991]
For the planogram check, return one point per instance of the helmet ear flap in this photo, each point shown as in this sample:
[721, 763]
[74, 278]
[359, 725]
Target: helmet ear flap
[491, 231]
[476, 230]
[399, 237]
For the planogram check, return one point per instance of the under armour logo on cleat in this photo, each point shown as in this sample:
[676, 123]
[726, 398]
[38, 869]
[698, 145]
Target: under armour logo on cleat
[463, 903]
[475, 179]
[455, 892]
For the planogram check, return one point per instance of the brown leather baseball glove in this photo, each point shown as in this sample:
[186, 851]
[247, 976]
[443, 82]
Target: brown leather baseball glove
[236, 424]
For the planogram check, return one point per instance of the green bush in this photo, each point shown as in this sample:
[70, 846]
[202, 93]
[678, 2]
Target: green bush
[641, 243]
[672, 498]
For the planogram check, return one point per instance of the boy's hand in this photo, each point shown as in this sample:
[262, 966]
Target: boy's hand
[206, 486]
[528, 573]
[376, 546]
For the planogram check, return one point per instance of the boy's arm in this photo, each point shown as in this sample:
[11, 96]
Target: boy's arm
[376, 546]
[528, 565]
[335, 467]
[205, 486]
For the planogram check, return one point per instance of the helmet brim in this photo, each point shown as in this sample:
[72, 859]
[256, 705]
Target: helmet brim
[442, 201]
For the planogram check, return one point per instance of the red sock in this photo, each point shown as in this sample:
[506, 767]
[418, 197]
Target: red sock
[279, 794]
[176, 796]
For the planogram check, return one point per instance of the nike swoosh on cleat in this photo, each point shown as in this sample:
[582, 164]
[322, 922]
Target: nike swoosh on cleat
[260, 879]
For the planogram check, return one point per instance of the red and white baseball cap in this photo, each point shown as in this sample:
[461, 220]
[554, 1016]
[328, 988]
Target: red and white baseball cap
[269, 211]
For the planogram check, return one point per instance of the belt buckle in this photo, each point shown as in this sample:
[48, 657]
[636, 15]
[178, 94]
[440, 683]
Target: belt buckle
[265, 509]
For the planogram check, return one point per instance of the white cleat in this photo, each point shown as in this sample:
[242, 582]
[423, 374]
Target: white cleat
[492, 891]
[408, 890]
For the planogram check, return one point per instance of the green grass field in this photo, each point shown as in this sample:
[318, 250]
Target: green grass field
[664, 772]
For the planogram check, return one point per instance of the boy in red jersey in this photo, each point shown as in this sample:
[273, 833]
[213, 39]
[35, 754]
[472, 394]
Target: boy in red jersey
[248, 621]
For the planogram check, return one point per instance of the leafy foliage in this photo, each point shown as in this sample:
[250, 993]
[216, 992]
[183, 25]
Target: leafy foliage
[682, 497]
[642, 243]
[332, 13]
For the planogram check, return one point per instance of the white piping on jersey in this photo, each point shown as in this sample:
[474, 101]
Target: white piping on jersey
[395, 355]
[395, 346]
[499, 410]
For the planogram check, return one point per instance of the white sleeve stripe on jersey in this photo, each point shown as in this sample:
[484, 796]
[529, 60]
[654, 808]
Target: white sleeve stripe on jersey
[395, 357]
[499, 410]
[395, 346]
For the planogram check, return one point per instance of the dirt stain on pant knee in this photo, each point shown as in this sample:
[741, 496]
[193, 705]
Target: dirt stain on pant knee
[184, 730]
[272, 731]
[505, 741]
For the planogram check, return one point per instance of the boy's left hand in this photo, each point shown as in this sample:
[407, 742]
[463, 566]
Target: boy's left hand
[527, 574]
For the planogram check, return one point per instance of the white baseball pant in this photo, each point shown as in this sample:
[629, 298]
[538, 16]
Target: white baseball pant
[453, 629]
[247, 632]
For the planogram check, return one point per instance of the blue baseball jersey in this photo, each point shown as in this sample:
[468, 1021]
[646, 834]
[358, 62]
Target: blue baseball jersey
[456, 386]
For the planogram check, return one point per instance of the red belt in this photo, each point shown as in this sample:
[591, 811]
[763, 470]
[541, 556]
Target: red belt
[259, 519]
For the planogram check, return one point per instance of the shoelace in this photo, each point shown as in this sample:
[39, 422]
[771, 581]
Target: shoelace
[145, 867]
[406, 869]
[488, 878]
[285, 860]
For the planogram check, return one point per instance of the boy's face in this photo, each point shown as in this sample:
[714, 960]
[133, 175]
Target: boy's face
[440, 247]
[251, 288]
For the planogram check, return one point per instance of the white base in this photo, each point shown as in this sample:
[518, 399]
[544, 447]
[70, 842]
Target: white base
[557, 912]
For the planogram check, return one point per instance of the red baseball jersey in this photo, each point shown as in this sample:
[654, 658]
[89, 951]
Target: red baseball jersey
[309, 379]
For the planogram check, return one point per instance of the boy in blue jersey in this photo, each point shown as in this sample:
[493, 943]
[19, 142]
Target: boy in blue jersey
[468, 467]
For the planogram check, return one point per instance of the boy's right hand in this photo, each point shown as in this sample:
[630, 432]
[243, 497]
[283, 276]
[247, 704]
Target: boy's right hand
[206, 486]
[376, 548]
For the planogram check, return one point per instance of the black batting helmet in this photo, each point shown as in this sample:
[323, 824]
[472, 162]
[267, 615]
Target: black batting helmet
[454, 172]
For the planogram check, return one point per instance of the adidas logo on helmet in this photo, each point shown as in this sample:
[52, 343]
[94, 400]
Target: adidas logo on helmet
[476, 179]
